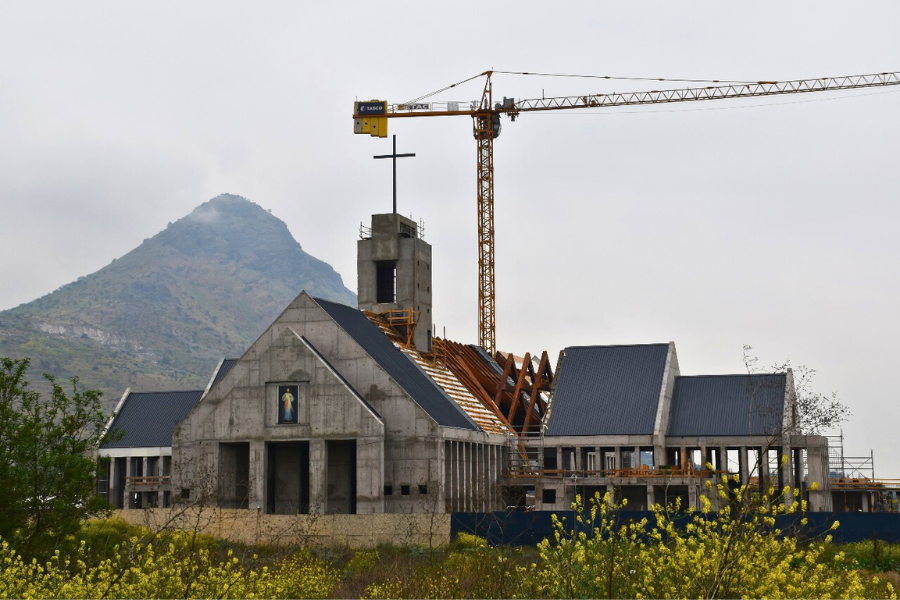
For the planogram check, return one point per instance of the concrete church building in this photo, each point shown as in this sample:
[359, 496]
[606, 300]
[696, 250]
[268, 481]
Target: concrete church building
[338, 409]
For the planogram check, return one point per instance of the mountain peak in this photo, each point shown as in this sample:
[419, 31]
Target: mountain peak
[163, 314]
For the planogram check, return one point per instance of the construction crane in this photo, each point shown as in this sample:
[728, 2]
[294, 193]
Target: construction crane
[370, 117]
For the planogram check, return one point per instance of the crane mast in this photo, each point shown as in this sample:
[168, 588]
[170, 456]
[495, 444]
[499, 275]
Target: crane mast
[371, 117]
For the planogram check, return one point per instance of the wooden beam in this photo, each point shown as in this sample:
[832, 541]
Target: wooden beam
[535, 392]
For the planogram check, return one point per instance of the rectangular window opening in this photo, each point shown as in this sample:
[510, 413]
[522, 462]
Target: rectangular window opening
[423, 490]
[386, 281]
[404, 490]
[388, 490]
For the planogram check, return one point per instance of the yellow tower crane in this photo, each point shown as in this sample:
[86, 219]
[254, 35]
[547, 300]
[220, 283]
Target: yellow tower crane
[371, 118]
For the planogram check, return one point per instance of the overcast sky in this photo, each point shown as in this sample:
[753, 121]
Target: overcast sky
[763, 222]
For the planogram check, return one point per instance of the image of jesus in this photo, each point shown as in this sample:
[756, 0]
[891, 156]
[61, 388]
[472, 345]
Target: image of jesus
[288, 405]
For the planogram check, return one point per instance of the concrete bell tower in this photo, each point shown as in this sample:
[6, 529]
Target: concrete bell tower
[393, 267]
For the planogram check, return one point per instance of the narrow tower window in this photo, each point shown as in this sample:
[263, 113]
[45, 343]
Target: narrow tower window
[386, 281]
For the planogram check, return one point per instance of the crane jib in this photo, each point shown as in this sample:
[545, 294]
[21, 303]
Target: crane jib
[371, 118]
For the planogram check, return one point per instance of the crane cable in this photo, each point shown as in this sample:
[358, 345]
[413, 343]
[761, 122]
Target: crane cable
[444, 89]
[458, 83]
[625, 78]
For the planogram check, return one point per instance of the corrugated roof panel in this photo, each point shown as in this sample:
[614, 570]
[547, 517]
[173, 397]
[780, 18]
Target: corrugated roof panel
[608, 390]
[728, 405]
[223, 370]
[402, 369]
[148, 418]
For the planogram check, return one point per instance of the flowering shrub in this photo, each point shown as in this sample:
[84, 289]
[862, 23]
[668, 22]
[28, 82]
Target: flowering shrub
[737, 553]
[179, 569]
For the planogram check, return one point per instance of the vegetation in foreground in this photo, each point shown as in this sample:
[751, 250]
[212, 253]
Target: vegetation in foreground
[732, 554]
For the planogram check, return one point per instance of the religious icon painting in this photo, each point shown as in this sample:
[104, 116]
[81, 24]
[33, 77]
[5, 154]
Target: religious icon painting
[287, 403]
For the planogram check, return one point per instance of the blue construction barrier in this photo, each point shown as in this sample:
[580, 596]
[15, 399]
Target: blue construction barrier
[529, 528]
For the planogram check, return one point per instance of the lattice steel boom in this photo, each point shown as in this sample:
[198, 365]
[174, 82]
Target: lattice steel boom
[371, 118]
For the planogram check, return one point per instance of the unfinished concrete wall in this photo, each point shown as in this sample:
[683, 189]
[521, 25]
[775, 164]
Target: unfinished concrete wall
[244, 408]
[395, 245]
[402, 446]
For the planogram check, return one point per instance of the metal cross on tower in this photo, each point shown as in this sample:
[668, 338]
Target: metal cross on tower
[394, 156]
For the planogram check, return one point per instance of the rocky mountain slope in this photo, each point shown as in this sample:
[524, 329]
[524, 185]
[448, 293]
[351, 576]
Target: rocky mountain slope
[161, 316]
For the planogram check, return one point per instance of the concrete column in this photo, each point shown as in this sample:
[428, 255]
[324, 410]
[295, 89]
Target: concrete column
[651, 497]
[693, 501]
[703, 457]
[636, 461]
[682, 451]
[463, 479]
[317, 476]
[787, 473]
[114, 483]
[145, 496]
[129, 472]
[488, 462]
[745, 467]
[460, 479]
[559, 458]
[618, 451]
[476, 477]
[723, 458]
[601, 460]
[256, 484]
[160, 495]
[470, 476]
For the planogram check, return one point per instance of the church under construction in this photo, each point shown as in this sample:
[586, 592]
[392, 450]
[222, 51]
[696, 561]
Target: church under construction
[339, 409]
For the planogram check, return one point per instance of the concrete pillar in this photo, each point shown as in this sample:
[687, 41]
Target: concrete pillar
[618, 451]
[477, 481]
[461, 474]
[463, 478]
[693, 500]
[636, 461]
[703, 457]
[651, 497]
[723, 458]
[559, 458]
[489, 489]
[129, 472]
[256, 484]
[787, 473]
[745, 471]
[682, 454]
[317, 476]
[471, 469]
[160, 494]
[114, 490]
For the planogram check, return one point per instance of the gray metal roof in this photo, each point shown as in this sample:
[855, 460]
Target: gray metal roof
[727, 405]
[608, 390]
[398, 366]
[148, 418]
[487, 358]
[223, 370]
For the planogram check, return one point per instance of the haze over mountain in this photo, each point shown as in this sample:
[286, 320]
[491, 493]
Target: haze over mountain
[162, 316]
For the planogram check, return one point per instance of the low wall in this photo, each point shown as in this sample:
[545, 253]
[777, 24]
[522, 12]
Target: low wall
[252, 527]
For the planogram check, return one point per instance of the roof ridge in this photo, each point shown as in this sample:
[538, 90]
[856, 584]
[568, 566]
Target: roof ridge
[619, 345]
[167, 392]
[737, 375]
